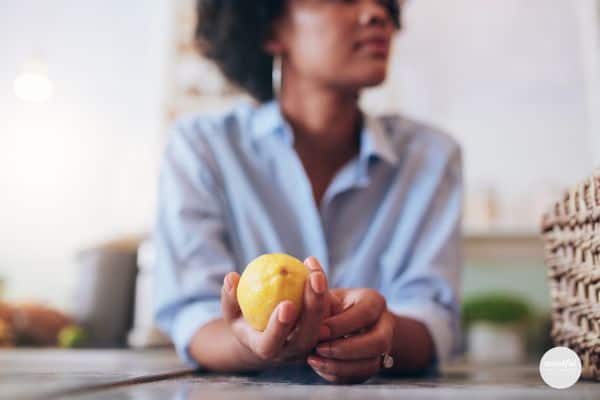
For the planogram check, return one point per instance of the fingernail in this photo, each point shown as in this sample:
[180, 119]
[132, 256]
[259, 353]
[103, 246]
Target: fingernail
[284, 317]
[317, 281]
[227, 283]
[313, 361]
[313, 264]
[324, 351]
[324, 332]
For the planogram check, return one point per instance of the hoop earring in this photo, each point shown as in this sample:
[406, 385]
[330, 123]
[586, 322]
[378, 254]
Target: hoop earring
[276, 75]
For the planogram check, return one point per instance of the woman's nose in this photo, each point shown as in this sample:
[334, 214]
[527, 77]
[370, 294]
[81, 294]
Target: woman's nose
[372, 12]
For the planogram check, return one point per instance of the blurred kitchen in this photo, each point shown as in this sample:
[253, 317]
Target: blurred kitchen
[88, 90]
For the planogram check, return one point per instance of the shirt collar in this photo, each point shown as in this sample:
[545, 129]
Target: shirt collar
[374, 141]
[268, 120]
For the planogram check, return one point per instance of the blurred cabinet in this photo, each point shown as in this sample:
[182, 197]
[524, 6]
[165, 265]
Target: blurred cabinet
[502, 247]
[506, 261]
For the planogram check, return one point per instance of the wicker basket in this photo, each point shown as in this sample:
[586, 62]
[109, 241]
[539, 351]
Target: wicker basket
[571, 231]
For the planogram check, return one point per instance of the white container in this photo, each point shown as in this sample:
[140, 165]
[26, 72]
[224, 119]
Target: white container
[496, 343]
[144, 332]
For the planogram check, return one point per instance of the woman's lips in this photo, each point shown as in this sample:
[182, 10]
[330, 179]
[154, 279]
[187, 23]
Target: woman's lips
[376, 46]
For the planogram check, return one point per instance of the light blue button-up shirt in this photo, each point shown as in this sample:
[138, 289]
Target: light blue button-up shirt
[232, 188]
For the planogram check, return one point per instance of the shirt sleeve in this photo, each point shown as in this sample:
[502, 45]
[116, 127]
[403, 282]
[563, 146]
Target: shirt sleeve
[193, 253]
[426, 287]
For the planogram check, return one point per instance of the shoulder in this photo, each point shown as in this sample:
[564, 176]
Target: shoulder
[205, 128]
[195, 142]
[424, 139]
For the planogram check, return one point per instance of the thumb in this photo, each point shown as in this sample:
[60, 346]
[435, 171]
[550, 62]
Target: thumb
[229, 304]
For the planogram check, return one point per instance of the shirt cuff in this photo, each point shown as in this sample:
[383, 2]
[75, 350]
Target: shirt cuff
[188, 321]
[437, 320]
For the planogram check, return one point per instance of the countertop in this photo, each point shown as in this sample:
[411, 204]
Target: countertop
[158, 374]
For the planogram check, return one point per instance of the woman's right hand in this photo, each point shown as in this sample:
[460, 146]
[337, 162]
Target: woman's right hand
[288, 336]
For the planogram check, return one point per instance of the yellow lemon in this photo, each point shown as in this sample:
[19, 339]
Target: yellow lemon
[267, 281]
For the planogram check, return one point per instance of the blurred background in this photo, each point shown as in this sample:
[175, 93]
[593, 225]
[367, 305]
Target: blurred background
[89, 88]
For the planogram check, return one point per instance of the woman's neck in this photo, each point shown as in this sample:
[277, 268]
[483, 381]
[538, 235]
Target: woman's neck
[325, 125]
[324, 120]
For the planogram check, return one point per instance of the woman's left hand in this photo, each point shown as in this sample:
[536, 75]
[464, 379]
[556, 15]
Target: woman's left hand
[360, 331]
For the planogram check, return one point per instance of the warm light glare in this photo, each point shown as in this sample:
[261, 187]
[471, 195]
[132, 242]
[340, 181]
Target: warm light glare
[33, 87]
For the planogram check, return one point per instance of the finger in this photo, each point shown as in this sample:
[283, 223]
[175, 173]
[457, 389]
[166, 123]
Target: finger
[347, 370]
[362, 313]
[335, 307]
[229, 304]
[315, 305]
[268, 344]
[313, 264]
[371, 344]
[327, 377]
[324, 332]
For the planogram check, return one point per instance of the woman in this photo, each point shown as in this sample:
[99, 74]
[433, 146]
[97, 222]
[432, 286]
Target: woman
[372, 204]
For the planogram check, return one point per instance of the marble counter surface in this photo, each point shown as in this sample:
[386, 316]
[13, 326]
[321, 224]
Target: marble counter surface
[39, 373]
[157, 374]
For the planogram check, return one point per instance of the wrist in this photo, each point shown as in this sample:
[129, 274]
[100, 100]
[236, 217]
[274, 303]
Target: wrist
[414, 358]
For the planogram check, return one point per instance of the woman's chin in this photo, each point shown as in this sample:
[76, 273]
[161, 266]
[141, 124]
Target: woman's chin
[373, 79]
[373, 75]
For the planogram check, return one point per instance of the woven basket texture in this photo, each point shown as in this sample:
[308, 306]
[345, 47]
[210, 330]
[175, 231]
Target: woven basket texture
[571, 232]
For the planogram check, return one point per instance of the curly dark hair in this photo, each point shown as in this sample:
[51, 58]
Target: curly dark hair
[232, 32]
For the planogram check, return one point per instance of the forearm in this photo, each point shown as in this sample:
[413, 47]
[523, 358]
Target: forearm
[412, 346]
[216, 348]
